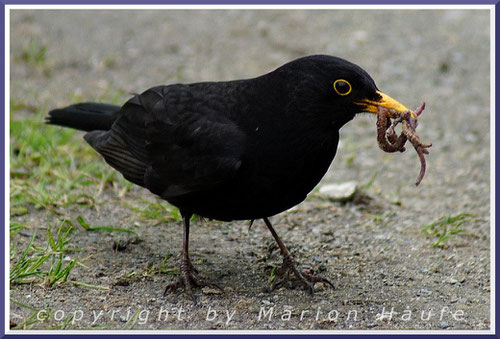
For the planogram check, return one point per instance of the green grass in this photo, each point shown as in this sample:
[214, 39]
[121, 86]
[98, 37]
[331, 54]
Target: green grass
[164, 269]
[45, 175]
[156, 211]
[97, 287]
[86, 226]
[53, 168]
[29, 321]
[50, 168]
[35, 316]
[272, 274]
[132, 321]
[446, 227]
[46, 264]
[34, 53]
[55, 175]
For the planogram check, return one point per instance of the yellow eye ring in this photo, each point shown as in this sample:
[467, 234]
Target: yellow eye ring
[342, 87]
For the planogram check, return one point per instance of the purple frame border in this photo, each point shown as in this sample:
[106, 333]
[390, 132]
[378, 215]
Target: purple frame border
[249, 2]
[214, 2]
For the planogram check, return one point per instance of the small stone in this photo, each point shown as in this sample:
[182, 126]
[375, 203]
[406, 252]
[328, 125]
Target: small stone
[210, 290]
[321, 286]
[339, 192]
[444, 324]
[423, 292]
[453, 281]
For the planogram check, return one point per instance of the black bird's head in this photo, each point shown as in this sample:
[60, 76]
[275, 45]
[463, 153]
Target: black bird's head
[334, 88]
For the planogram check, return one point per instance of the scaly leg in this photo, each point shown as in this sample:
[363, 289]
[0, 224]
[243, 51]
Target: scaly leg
[290, 266]
[187, 277]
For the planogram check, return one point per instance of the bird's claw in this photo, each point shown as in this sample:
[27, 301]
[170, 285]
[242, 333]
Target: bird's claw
[188, 280]
[306, 279]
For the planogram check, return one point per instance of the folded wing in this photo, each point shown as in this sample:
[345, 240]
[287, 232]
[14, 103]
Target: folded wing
[172, 141]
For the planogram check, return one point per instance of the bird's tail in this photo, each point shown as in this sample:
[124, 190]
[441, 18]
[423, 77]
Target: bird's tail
[86, 116]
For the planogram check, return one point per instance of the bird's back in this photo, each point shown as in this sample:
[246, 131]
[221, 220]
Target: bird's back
[213, 149]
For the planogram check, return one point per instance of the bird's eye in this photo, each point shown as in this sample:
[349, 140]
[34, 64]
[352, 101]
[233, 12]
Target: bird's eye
[342, 87]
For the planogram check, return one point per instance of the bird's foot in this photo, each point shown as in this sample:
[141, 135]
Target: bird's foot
[188, 280]
[306, 279]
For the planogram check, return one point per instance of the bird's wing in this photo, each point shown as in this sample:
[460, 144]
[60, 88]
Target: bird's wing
[172, 143]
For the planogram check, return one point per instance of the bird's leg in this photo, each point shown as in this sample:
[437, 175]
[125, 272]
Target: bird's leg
[290, 266]
[250, 224]
[187, 277]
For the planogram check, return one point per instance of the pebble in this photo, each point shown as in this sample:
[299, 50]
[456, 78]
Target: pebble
[444, 324]
[339, 192]
[210, 290]
[424, 292]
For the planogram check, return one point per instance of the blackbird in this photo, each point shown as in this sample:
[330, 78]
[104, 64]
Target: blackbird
[243, 149]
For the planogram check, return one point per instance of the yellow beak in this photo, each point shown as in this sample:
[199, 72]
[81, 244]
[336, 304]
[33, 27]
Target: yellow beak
[385, 101]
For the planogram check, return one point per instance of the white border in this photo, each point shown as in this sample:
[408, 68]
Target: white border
[8, 8]
[7, 169]
[492, 168]
[215, 7]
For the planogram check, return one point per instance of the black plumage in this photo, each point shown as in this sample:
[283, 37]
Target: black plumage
[244, 149]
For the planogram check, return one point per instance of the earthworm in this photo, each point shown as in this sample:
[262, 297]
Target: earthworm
[387, 138]
[390, 142]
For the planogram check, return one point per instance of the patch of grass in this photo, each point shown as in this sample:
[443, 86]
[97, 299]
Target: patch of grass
[36, 317]
[18, 105]
[272, 275]
[35, 53]
[381, 218]
[157, 211]
[109, 62]
[52, 167]
[395, 196]
[446, 227]
[46, 264]
[29, 321]
[132, 321]
[63, 324]
[15, 228]
[86, 226]
[164, 269]
[97, 287]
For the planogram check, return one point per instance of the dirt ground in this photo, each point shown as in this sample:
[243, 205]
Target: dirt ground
[372, 248]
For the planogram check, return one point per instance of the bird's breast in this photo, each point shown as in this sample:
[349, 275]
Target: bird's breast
[271, 179]
[278, 174]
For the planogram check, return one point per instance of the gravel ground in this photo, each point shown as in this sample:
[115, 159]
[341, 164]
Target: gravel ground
[371, 247]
